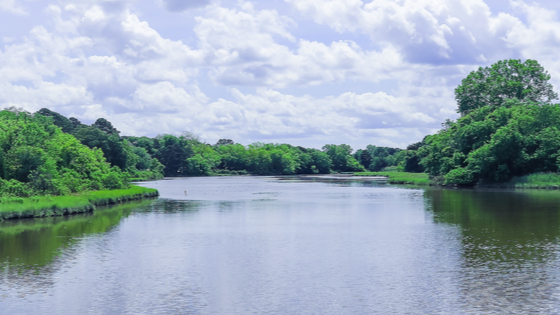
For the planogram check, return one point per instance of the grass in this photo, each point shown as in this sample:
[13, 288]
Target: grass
[536, 181]
[532, 181]
[46, 206]
[400, 177]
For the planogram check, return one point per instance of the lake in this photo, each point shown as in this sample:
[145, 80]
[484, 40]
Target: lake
[290, 245]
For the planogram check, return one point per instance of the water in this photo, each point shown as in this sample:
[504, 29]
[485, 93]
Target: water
[263, 245]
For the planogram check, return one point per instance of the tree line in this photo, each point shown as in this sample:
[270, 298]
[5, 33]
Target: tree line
[508, 127]
[48, 153]
[187, 155]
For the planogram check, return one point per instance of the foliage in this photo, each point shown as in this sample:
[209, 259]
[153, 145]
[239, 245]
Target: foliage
[342, 159]
[400, 177]
[144, 158]
[507, 129]
[44, 206]
[105, 126]
[377, 158]
[37, 158]
[222, 142]
[539, 180]
[64, 123]
[496, 144]
[507, 79]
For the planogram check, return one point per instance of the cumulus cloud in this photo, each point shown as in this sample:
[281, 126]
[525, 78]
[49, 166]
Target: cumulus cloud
[101, 58]
[243, 46]
[426, 31]
[269, 115]
[12, 6]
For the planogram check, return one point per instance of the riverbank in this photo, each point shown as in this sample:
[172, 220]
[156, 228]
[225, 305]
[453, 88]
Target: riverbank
[47, 206]
[401, 177]
[532, 181]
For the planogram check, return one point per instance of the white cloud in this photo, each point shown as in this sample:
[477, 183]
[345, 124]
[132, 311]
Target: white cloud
[103, 59]
[12, 6]
[425, 31]
[243, 46]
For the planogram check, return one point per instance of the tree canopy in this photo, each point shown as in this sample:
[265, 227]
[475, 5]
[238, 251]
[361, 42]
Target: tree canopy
[506, 79]
[508, 128]
[37, 158]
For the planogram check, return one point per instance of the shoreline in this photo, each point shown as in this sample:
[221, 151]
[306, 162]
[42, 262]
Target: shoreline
[48, 206]
[402, 178]
[422, 179]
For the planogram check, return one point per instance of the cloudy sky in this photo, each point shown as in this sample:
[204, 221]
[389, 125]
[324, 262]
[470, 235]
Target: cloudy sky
[304, 72]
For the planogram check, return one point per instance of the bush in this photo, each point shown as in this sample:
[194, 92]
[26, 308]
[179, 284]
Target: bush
[460, 176]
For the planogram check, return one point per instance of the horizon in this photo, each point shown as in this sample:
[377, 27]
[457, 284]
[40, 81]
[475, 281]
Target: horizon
[306, 73]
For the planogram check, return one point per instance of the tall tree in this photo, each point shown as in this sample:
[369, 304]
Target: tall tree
[506, 79]
[64, 123]
[105, 126]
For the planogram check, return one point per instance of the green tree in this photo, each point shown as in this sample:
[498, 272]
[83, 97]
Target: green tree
[112, 146]
[495, 144]
[59, 120]
[507, 79]
[105, 126]
[172, 153]
[203, 162]
[222, 142]
[342, 159]
[38, 158]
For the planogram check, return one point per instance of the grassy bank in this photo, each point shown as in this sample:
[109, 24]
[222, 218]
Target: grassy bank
[532, 181]
[401, 177]
[46, 206]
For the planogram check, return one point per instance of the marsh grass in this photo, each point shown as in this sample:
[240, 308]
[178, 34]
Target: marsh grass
[401, 177]
[536, 181]
[532, 181]
[46, 206]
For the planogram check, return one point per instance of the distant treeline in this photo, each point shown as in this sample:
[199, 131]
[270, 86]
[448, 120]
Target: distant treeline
[186, 155]
[37, 158]
[508, 128]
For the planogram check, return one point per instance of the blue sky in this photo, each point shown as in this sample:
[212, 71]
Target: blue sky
[304, 72]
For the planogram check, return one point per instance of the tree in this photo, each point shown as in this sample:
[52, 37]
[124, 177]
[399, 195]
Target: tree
[59, 120]
[111, 145]
[105, 126]
[222, 142]
[37, 158]
[341, 157]
[75, 122]
[507, 79]
[173, 153]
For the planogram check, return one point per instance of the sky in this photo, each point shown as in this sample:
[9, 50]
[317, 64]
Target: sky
[303, 72]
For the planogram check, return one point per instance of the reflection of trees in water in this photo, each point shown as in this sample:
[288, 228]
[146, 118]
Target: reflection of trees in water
[34, 252]
[509, 246]
[29, 247]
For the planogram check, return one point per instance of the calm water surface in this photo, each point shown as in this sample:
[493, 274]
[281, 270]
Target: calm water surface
[263, 245]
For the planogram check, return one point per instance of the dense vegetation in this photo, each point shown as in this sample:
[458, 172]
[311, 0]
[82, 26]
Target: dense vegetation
[509, 128]
[395, 177]
[46, 153]
[48, 206]
[37, 158]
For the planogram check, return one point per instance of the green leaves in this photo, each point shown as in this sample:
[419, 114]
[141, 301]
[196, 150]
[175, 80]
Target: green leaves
[37, 158]
[507, 79]
[494, 146]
